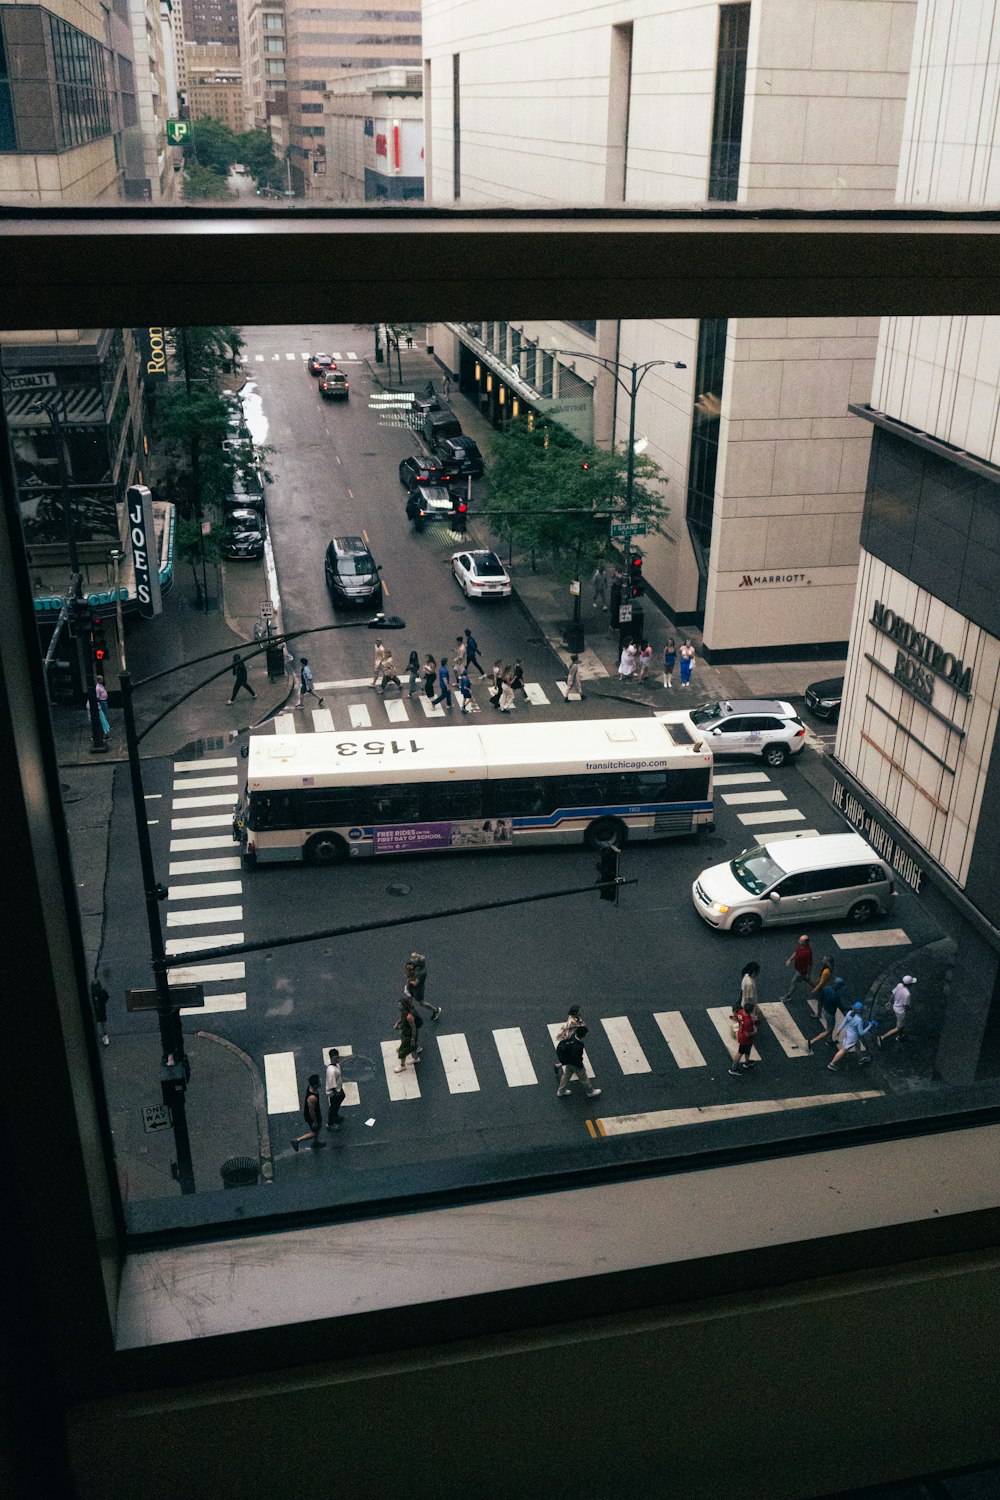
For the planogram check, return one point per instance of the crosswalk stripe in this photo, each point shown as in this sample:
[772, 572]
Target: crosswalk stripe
[360, 717]
[211, 799]
[400, 1085]
[212, 841]
[625, 1045]
[570, 697]
[888, 937]
[514, 1057]
[788, 1035]
[205, 765]
[458, 1065]
[535, 694]
[757, 819]
[665, 1119]
[322, 720]
[188, 783]
[773, 835]
[207, 973]
[396, 710]
[203, 866]
[350, 354]
[554, 1028]
[745, 799]
[281, 1083]
[205, 890]
[289, 356]
[719, 1017]
[204, 916]
[742, 778]
[285, 724]
[209, 940]
[683, 1047]
[215, 1004]
[204, 820]
[344, 682]
[352, 1094]
[259, 358]
[432, 710]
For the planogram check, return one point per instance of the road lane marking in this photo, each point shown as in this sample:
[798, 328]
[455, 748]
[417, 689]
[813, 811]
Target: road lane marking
[210, 940]
[205, 765]
[774, 834]
[152, 796]
[204, 820]
[625, 1045]
[788, 1035]
[186, 783]
[514, 1057]
[396, 710]
[289, 356]
[745, 799]
[203, 866]
[535, 694]
[459, 1069]
[352, 1094]
[284, 724]
[432, 710]
[683, 1047]
[360, 717]
[888, 937]
[207, 973]
[400, 1085]
[281, 1083]
[205, 890]
[322, 720]
[742, 778]
[668, 1119]
[719, 1017]
[554, 1028]
[755, 820]
[344, 682]
[212, 799]
[213, 841]
[216, 1003]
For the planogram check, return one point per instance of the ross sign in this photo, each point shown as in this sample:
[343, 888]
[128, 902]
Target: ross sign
[142, 535]
[182, 996]
[29, 382]
[771, 580]
[155, 1117]
[152, 353]
[920, 660]
[622, 529]
[178, 131]
[267, 610]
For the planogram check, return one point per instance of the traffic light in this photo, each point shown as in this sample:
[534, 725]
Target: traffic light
[99, 644]
[607, 869]
[585, 466]
[636, 585]
[459, 520]
[62, 683]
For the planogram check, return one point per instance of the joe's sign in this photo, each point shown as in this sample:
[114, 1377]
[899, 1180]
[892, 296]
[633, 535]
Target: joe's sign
[144, 556]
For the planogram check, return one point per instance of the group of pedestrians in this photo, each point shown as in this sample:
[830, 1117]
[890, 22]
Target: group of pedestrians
[441, 682]
[636, 662]
[411, 1003]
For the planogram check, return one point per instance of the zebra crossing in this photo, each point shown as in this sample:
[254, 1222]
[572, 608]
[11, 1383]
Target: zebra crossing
[377, 707]
[301, 355]
[205, 881]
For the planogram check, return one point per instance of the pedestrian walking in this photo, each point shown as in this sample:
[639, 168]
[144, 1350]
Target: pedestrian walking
[444, 684]
[900, 1002]
[829, 1002]
[686, 655]
[801, 963]
[459, 657]
[472, 653]
[99, 1004]
[570, 1054]
[380, 655]
[409, 341]
[574, 1019]
[412, 672]
[312, 1113]
[517, 679]
[240, 677]
[823, 978]
[389, 673]
[306, 688]
[506, 699]
[850, 1031]
[101, 694]
[447, 385]
[464, 691]
[747, 1020]
[669, 662]
[599, 584]
[430, 675]
[645, 661]
[748, 988]
[334, 1090]
[627, 664]
[615, 599]
[406, 1025]
[416, 980]
[574, 687]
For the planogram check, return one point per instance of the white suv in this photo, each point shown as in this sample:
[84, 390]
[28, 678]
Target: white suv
[767, 727]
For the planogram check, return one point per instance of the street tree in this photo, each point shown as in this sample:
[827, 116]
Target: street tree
[255, 149]
[545, 486]
[200, 549]
[212, 144]
[202, 184]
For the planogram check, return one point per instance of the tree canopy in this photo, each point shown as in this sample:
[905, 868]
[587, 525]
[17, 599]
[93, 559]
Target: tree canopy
[212, 144]
[541, 467]
[255, 149]
[202, 183]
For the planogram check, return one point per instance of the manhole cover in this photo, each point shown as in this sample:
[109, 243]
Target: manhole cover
[404, 890]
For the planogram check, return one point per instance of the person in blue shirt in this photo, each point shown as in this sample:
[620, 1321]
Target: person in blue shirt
[444, 684]
[472, 653]
[850, 1031]
[464, 687]
[831, 998]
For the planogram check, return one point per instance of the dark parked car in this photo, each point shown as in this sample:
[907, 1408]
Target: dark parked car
[320, 362]
[824, 698]
[419, 470]
[352, 573]
[461, 454]
[241, 497]
[244, 534]
[429, 502]
[333, 386]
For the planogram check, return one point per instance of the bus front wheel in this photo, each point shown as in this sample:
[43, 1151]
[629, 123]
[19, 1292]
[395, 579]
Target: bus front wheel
[606, 831]
[325, 849]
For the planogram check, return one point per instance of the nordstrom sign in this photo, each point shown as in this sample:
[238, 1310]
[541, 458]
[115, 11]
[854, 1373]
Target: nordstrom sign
[920, 659]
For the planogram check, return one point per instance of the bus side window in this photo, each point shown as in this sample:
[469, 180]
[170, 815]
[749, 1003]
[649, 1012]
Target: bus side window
[273, 810]
[445, 802]
[394, 804]
[688, 786]
[519, 797]
[588, 791]
[328, 806]
[645, 786]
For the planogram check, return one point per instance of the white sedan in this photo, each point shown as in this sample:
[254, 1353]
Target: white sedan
[481, 575]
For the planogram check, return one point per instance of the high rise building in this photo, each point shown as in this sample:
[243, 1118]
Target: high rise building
[263, 56]
[211, 21]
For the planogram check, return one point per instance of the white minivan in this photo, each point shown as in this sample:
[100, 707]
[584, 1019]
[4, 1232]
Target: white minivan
[825, 876]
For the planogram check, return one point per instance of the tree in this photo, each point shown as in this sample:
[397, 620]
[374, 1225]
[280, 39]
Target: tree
[199, 549]
[201, 183]
[212, 144]
[206, 354]
[539, 468]
[255, 150]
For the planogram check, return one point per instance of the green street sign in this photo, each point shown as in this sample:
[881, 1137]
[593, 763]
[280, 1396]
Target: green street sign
[621, 529]
[178, 131]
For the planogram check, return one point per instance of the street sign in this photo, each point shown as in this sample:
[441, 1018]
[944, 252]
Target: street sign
[267, 610]
[178, 131]
[155, 1117]
[624, 614]
[190, 996]
[621, 529]
[574, 588]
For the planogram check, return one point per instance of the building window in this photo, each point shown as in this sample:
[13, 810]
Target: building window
[311, 109]
[274, 23]
[277, 44]
[456, 101]
[704, 460]
[8, 134]
[274, 69]
[730, 89]
[585, 325]
[81, 85]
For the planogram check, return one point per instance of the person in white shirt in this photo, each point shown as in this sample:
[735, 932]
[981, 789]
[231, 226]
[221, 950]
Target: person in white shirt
[334, 1091]
[901, 997]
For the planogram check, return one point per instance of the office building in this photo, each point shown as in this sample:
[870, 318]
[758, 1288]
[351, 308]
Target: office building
[374, 126]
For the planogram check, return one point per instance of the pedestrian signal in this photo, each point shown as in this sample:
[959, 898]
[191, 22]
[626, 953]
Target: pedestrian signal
[636, 584]
[99, 644]
[607, 869]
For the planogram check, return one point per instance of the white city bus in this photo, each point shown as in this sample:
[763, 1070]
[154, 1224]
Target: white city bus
[330, 797]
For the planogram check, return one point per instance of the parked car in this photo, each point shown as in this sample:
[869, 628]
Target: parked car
[320, 362]
[825, 876]
[481, 575]
[424, 404]
[440, 424]
[244, 534]
[768, 727]
[461, 454]
[333, 386]
[352, 573]
[419, 470]
[824, 698]
[429, 502]
[242, 497]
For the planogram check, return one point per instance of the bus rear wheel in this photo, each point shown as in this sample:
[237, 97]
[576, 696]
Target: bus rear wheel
[325, 849]
[606, 831]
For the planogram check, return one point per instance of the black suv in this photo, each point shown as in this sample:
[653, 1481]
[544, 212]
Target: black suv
[461, 455]
[352, 573]
[419, 470]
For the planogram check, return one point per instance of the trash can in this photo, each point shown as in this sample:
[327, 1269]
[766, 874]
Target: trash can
[275, 661]
[240, 1171]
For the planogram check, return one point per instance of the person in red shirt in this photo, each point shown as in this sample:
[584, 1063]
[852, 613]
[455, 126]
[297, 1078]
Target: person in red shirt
[746, 1029]
[801, 964]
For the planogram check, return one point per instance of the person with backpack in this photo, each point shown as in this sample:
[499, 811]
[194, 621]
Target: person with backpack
[415, 969]
[830, 998]
[746, 1030]
[313, 1116]
[570, 1054]
[389, 674]
[306, 683]
[463, 689]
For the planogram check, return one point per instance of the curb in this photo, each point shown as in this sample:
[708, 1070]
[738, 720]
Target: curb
[259, 1100]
